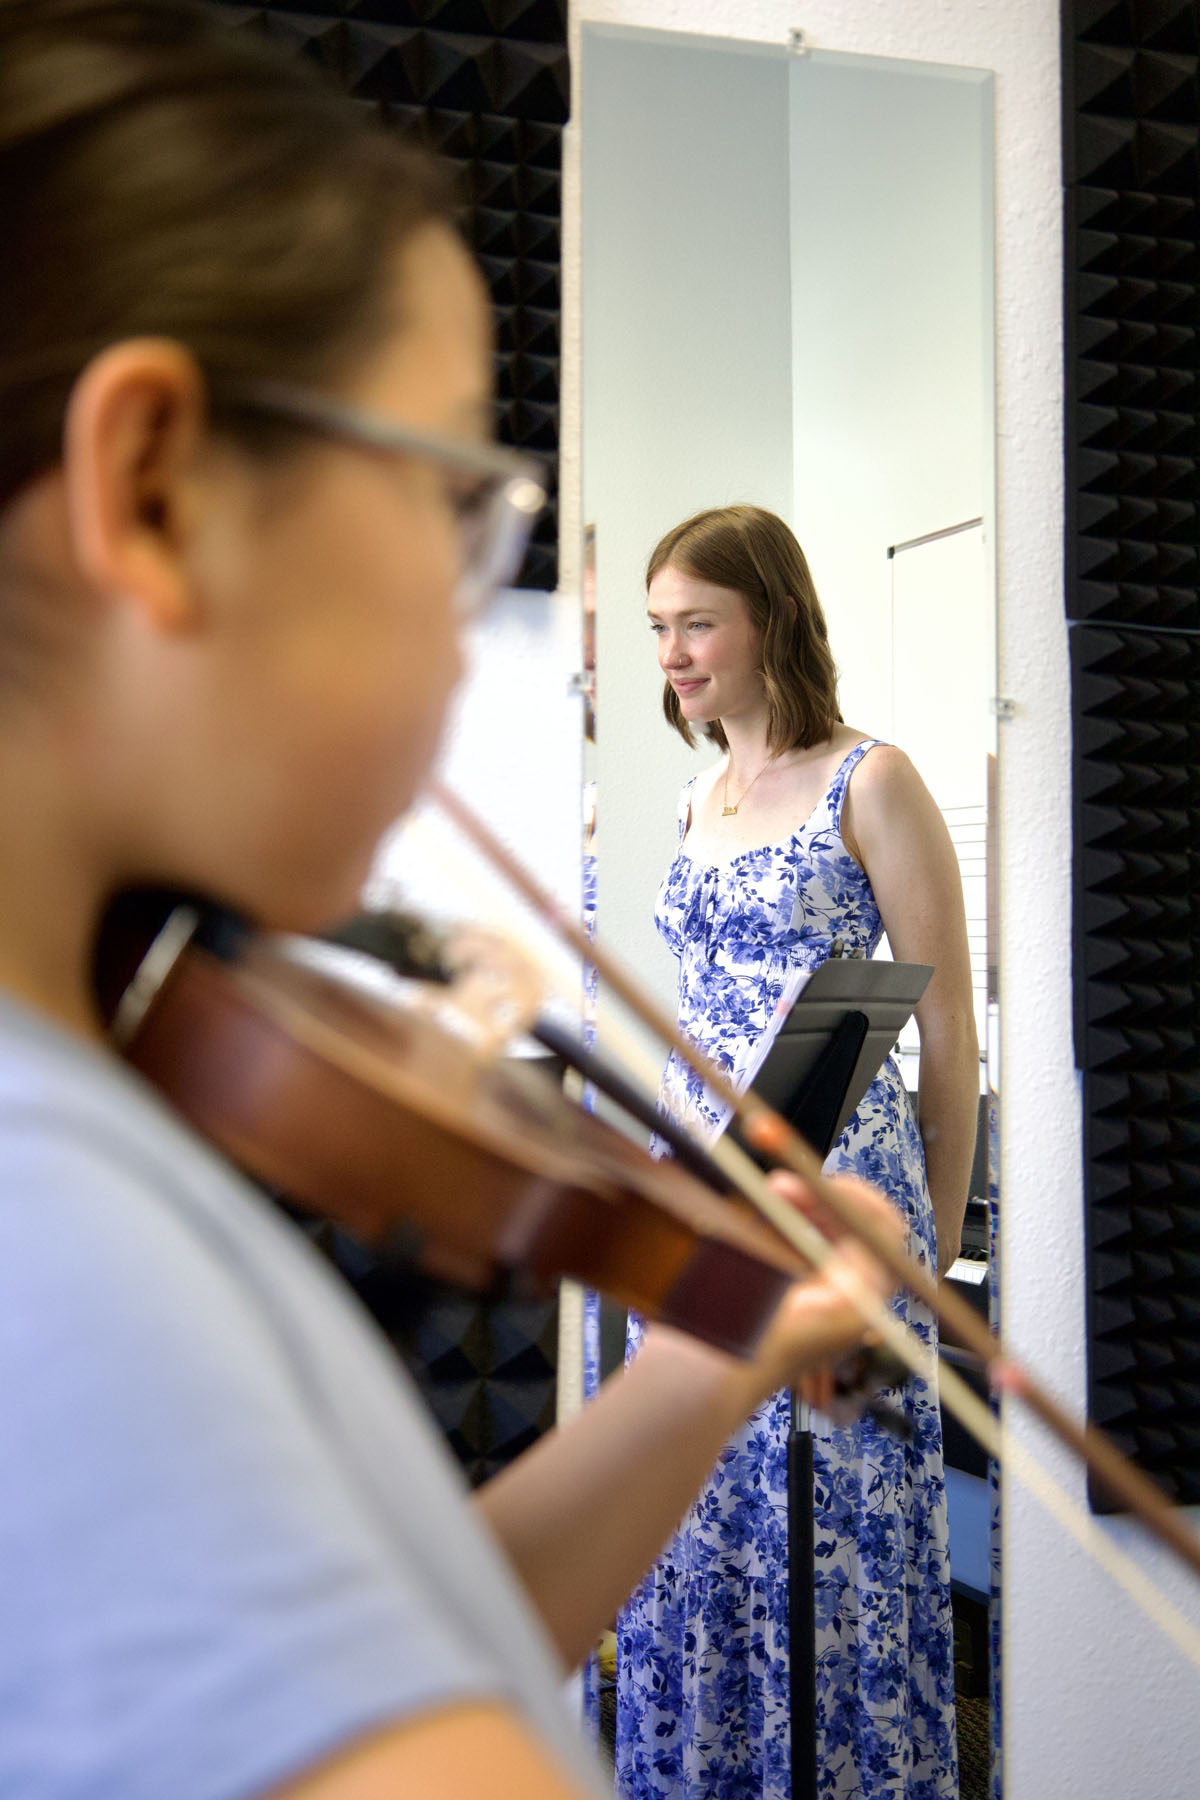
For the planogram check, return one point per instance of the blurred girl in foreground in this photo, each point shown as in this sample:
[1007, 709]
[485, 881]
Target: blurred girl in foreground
[244, 470]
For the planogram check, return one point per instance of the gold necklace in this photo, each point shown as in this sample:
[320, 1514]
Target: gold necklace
[728, 811]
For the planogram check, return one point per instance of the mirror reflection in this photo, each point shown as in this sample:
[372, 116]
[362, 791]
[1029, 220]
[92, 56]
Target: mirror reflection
[787, 304]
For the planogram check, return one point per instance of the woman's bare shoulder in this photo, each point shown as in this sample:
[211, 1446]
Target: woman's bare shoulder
[882, 773]
[708, 776]
[885, 796]
[705, 780]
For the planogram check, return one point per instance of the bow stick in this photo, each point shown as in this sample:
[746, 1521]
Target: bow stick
[766, 1132]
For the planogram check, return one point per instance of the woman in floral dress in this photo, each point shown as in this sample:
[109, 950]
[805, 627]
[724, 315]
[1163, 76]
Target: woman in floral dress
[803, 833]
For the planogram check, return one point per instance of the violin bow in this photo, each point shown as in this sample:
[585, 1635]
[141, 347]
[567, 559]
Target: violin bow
[766, 1132]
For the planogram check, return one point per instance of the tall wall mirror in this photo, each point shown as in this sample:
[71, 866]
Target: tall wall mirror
[787, 299]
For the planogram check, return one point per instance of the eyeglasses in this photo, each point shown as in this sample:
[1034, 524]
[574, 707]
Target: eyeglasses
[496, 503]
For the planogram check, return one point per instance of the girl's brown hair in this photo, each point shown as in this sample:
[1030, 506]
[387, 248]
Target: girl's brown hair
[755, 554]
[163, 175]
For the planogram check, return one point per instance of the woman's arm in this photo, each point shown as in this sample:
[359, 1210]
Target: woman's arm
[892, 826]
[442, 1753]
[583, 1513]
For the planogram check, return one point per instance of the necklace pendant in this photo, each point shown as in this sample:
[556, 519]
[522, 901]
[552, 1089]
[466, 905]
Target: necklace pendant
[728, 811]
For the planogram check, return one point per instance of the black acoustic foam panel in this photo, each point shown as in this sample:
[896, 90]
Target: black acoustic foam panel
[486, 85]
[487, 1370]
[487, 1366]
[1137, 875]
[1132, 166]
[1133, 321]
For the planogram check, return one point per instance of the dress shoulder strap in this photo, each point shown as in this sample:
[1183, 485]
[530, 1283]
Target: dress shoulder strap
[684, 815]
[841, 780]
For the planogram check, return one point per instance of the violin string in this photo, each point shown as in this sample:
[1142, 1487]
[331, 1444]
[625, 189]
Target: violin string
[995, 1437]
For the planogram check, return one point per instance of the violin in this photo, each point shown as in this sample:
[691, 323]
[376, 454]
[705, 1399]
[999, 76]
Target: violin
[486, 1174]
[360, 1108]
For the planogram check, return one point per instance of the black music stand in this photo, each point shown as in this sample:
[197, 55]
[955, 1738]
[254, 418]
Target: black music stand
[820, 1062]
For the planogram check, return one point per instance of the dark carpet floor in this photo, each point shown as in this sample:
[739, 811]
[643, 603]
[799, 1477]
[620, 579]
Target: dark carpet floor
[974, 1748]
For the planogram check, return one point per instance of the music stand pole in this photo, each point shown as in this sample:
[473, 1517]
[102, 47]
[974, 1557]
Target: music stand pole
[802, 1624]
[852, 1030]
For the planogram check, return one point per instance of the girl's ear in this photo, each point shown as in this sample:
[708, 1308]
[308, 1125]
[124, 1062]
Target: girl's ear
[134, 421]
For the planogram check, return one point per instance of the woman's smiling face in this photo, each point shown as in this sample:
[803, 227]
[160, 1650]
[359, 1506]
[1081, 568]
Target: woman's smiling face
[709, 648]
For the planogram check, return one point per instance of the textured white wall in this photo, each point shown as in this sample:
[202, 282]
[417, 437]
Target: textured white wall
[892, 381]
[687, 384]
[1097, 1704]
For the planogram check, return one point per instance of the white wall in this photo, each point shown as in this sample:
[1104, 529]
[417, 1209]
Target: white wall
[892, 323]
[783, 259]
[687, 388]
[1097, 1703]
[513, 752]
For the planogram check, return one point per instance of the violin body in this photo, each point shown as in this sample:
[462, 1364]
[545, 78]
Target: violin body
[367, 1112]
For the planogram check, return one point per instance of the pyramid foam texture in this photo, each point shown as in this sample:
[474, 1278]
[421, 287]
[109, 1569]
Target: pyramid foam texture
[1132, 257]
[484, 84]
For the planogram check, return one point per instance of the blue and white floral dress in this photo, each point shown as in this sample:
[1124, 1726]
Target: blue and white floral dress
[702, 1674]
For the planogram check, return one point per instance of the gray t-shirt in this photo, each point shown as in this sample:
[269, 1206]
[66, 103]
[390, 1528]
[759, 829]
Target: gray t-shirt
[230, 1539]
